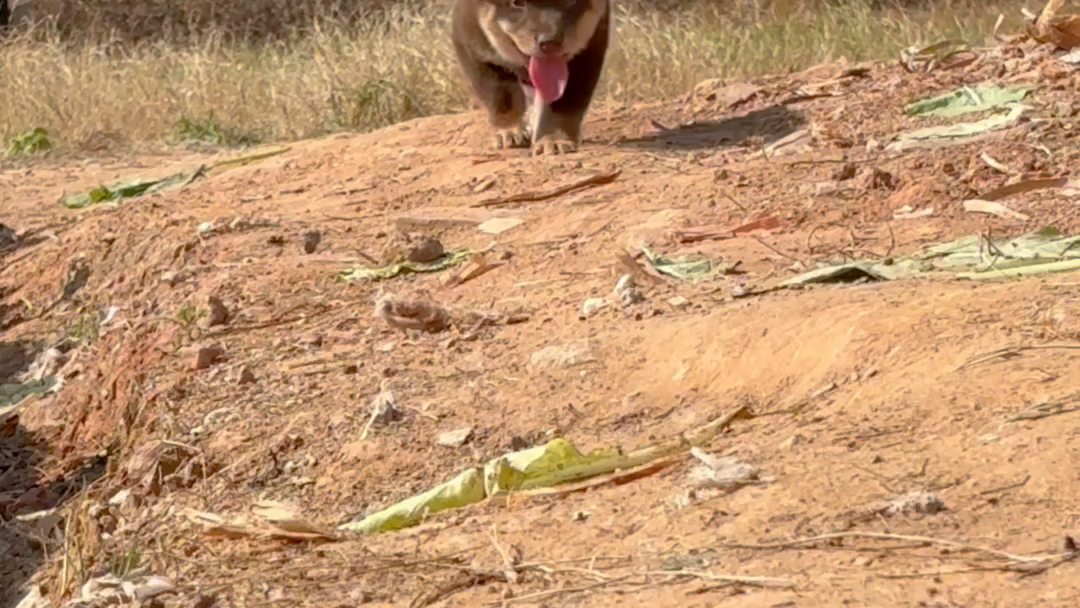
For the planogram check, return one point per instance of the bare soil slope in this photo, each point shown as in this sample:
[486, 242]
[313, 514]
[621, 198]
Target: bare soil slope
[858, 393]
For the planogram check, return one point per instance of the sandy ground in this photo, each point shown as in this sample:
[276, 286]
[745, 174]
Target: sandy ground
[859, 394]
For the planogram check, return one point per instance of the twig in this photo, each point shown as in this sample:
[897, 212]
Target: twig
[903, 537]
[599, 230]
[468, 578]
[447, 560]
[940, 573]
[592, 560]
[598, 576]
[733, 201]
[1011, 486]
[778, 252]
[554, 592]
[1025, 569]
[1013, 351]
[753, 581]
[892, 240]
[232, 329]
[511, 564]
[1045, 410]
[822, 161]
[533, 196]
[367, 257]
[810, 238]
[1054, 563]
[707, 432]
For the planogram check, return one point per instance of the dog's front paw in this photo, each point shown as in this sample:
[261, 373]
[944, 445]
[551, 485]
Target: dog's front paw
[553, 145]
[511, 138]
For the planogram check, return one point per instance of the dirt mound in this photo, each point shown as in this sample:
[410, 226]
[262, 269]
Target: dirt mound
[911, 439]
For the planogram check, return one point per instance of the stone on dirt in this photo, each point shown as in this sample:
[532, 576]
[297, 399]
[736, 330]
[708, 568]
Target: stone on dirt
[499, 225]
[424, 249]
[721, 473]
[384, 410]
[924, 503]
[455, 438]
[565, 355]
[219, 313]
[311, 241]
[627, 292]
[443, 217]
[8, 236]
[678, 302]
[592, 306]
[209, 355]
[410, 313]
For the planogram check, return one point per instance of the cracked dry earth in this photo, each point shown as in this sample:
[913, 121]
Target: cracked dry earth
[860, 394]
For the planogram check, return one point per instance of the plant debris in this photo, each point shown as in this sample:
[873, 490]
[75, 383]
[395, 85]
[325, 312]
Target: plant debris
[447, 260]
[540, 468]
[27, 144]
[412, 313]
[132, 189]
[967, 100]
[684, 269]
[974, 257]
[528, 197]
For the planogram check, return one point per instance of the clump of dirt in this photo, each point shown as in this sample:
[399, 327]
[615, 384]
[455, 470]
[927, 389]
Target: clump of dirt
[215, 358]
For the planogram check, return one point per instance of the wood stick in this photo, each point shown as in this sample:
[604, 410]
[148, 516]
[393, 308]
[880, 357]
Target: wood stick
[533, 196]
[756, 581]
[884, 536]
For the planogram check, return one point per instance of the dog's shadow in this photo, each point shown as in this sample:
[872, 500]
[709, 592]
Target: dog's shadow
[29, 502]
[770, 124]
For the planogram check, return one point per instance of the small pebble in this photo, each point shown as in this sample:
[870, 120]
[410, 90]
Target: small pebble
[209, 355]
[311, 241]
[593, 306]
[455, 438]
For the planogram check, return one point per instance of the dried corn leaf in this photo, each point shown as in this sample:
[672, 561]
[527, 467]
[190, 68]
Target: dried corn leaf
[286, 523]
[993, 208]
[1029, 185]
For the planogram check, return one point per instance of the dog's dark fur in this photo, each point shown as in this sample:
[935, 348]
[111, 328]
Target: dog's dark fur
[493, 40]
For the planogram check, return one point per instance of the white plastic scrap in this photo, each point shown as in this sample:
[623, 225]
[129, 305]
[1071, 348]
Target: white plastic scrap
[110, 590]
[926, 503]
[724, 473]
[626, 291]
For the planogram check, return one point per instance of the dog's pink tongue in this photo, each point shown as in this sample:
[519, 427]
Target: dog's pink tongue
[549, 75]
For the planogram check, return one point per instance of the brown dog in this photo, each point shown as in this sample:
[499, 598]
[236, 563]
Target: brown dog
[534, 65]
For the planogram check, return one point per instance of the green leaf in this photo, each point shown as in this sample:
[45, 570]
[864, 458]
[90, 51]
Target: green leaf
[959, 131]
[1043, 251]
[390, 271]
[684, 269]
[121, 191]
[139, 187]
[967, 100]
[29, 143]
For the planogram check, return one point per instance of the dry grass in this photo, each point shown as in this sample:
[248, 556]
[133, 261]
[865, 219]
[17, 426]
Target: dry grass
[400, 66]
[183, 20]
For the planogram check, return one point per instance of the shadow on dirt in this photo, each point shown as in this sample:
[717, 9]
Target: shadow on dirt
[19, 458]
[12, 313]
[26, 532]
[11, 242]
[770, 124]
[15, 358]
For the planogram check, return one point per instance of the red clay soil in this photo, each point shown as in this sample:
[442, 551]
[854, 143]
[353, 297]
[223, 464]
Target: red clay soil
[859, 393]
